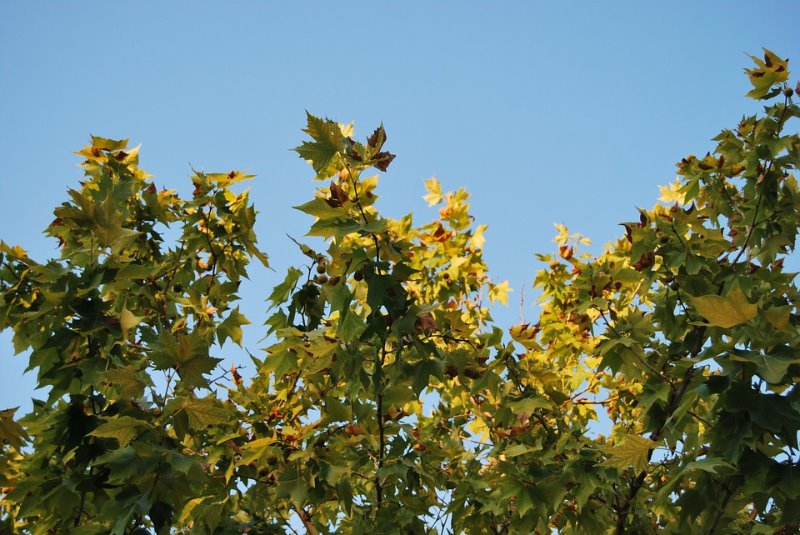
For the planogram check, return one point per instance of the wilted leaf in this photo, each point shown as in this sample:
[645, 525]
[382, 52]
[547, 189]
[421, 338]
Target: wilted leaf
[382, 160]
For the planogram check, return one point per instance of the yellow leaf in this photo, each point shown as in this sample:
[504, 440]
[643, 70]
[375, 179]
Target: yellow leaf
[478, 238]
[347, 129]
[525, 334]
[726, 311]
[672, 193]
[127, 321]
[434, 188]
[772, 70]
[632, 450]
[499, 292]
[778, 317]
[478, 428]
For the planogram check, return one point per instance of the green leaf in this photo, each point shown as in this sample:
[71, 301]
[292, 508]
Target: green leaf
[281, 292]
[771, 367]
[633, 450]
[193, 370]
[516, 450]
[10, 431]
[711, 465]
[778, 317]
[232, 327]
[257, 450]
[320, 209]
[345, 493]
[203, 412]
[422, 372]
[130, 382]
[292, 486]
[123, 428]
[324, 152]
[187, 353]
[529, 405]
[726, 311]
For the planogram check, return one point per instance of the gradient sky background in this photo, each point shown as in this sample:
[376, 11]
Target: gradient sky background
[545, 113]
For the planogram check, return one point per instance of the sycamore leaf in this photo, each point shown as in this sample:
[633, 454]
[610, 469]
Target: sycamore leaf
[517, 449]
[633, 451]
[193, 369]
[422, 372]
[127, 321]
[479, 429]
[103, 143]
[123, 428]
[727, 311]
[778, 317]
[709, 464]
[324, 152]
[292, 486]
[129, 380]
[232, 327]
[772, 70]
[499, 292]
[282, 290]
[257, 449]
[203, 412]
[10, 431]
[190, 506]
[525, 334]
[772, 367]
[187, 353]
[434, 195]
[478, 239]
[672, 193]
[529, 405]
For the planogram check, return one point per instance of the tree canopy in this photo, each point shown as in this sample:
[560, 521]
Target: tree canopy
[656, 392]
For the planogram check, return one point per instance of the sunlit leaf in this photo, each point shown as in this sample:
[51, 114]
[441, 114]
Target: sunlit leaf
[632, 450]
[726, 312]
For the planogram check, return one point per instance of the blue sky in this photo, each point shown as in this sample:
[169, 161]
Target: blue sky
[545, 112]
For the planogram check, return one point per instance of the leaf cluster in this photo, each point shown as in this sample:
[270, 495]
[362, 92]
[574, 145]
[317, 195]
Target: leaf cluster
[387, 400]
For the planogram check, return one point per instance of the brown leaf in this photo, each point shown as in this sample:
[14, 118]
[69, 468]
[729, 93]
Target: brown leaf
[374, 140]
[644, 262]
[425, 323]
[338, 194]
[382, 160]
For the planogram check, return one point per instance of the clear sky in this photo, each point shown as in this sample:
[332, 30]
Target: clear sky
[545, 112]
